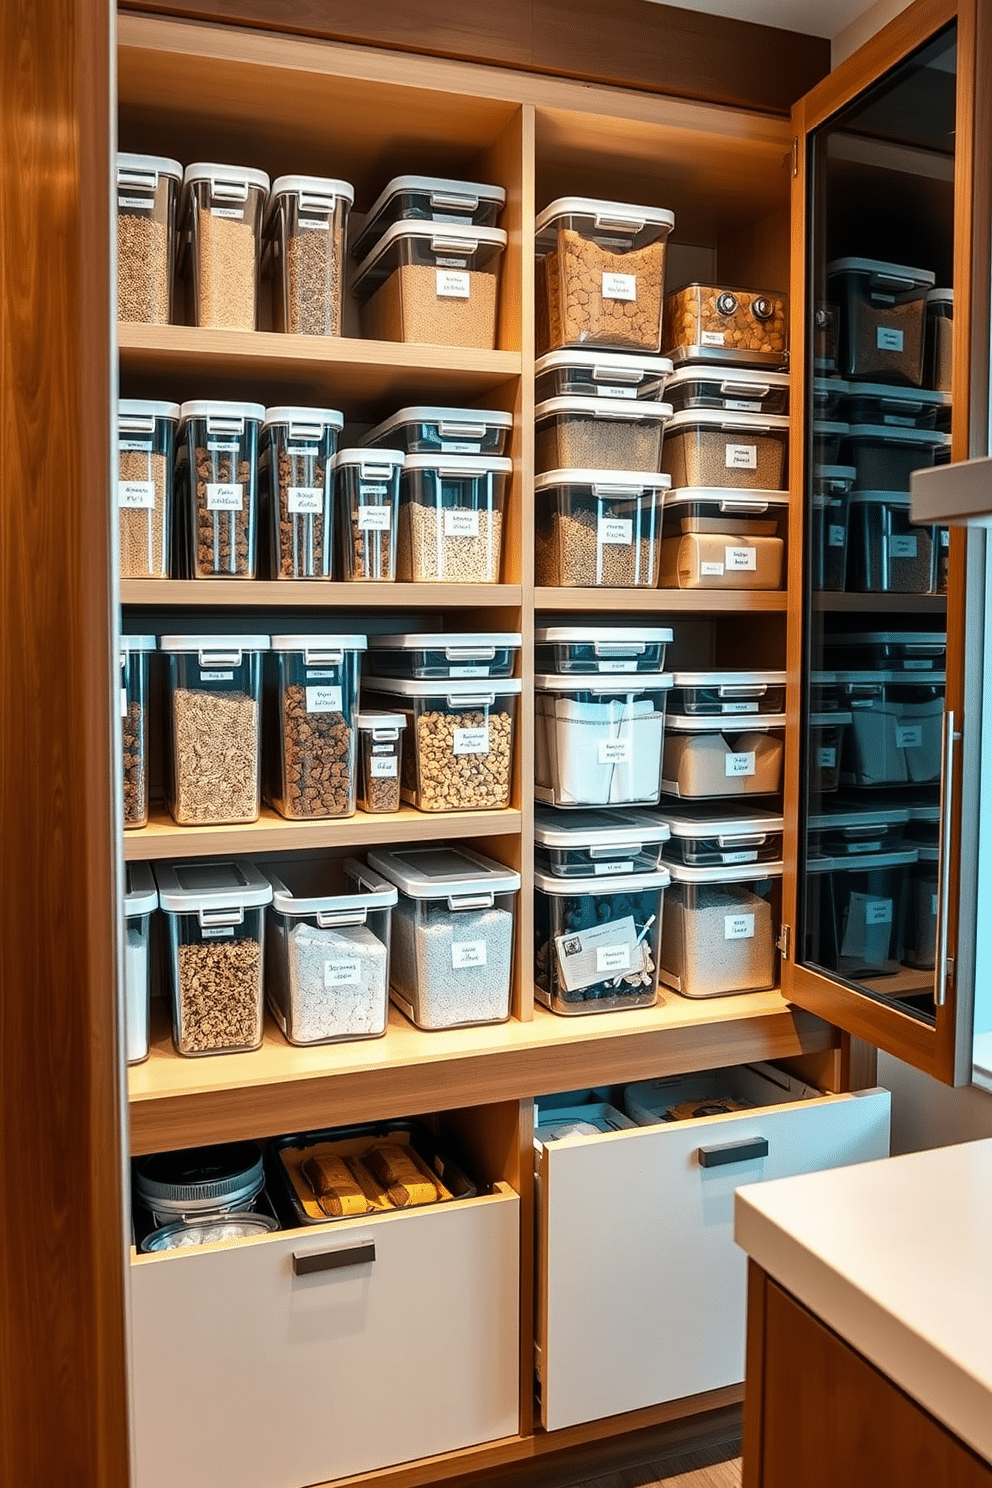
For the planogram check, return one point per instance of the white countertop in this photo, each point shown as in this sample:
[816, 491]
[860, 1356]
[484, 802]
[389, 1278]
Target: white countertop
[896, 1257]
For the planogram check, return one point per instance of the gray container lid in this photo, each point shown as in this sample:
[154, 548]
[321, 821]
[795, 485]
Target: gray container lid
[462, 236]
[700, 819]
[461, 420]
[626, 682]
[319, 643]
[727, 420]
[130, 409]
[725, 873]
[898, 434]
[183, 888]
[935, 638]
[606, 883]
[863, 862]
[605, 216]
[458, 199]
[371, 892]
[606, 829]
[729, 498]
[604, 482]
[882, 498]
[456, 689]
[137, 643]
[441, 640]
[208, 170]
[460, 464]
[321, 186]
[635, 410]
[632, 636]
[140, 893]
[304, 423]
[213, 643]
[892, 392]
[941, 297]
[199, 1176]
[835, 719]
[895, 276]
[838, 475]
[219, 410]
[900, 678]
[730, 679]
[611, 367]
[442, 871]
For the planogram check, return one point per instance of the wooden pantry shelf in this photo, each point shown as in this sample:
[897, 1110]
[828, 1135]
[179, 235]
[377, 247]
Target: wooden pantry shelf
[187, 594]
[661, 601]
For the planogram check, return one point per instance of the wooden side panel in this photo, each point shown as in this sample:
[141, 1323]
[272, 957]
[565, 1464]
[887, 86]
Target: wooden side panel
[754, 1381]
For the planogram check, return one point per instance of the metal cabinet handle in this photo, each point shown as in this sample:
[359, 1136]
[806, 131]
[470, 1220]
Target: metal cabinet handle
[333, 1260]
[733, 1152]
[947, 761]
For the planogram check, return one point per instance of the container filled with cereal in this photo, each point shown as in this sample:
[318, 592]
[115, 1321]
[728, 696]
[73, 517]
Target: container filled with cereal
[297, 449]
[712, 323]
[312, 697]
[146, 434]
[722, 538]
[599, 528]
[598, 740]
[710, 447]
[217, 489]
[305, 229]
[221, 211]
[883, 311]
[147, 201]
[599, 433]
[887, 552]
[134, 656]
[451, 518]
[572, 373]
[433, 283]
[367, 497]
[140, 902]
[443, 431]
[380, 760]
[720, 929]
[428, 199]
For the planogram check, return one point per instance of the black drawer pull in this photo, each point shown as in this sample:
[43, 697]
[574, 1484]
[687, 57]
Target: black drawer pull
[333, 1260]
[733, 1152]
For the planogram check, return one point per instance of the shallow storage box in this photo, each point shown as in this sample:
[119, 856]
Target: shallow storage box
[133, 654]
[727, 539]
[893, 406]
[559, 1123]
[147, 201]
[327, 952]
[882, 312]
[452, 950]
[896, 731]
[711, 1093]
[704, 760]
[856, 828]
[217, 480]
[305, 229]
[708, 447]
[885, 457]
[829, 525]
[711, 323]
[380, 760]
[428, 199]
[596, 941]
[827, 732]
[222, 210]
[445, 654]
[704, 836]
[367, 498]
[598, 528]
[939, 344]
[140, 901]
[213, 701]
[600, 274]
[720, 929]
[443, 431]
[888, 553]
[311, 701]
[889, 650]
[712, 694]
[574, 373]
[146, 434]
[435, 284]
[922, 907]
[216, 935]
[732, 389]
[583, 844]
[599, 433]
[297, 450]
[854, 912]
[587, 648]
[452, 518]
[598, 742]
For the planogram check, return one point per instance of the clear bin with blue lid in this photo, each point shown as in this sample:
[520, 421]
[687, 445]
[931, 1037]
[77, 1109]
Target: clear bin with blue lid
[445, 654]
[854, 912]
[896, 731]
[147, 204]
[882, 317]
[312, 748]
[434, 283]
[146, 436]
[832, 486]
[598, 740]
[852, 830]
[572, 372]
[579, 843]
[734, 389]
[452, 518]
[716, 694]
[596, 648]
[140, 903]
[134, 653]
[428, 199]
[217, 489]
[709, 757]
[720, 929]
[599, 433]
[598, 528]
[888, 650]
[892, 406]
[888, 553]
[221, 211]
[297, 449]
[443, 431]
[304, 229]
[367, 496]
[885, 456]
[704, 836]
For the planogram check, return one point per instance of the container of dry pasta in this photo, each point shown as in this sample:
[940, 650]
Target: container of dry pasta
[731, 389]
[853, 920]
[598, 740]
[883, 310]
[571, 373]
[146, 434]
[887, 552]
[706, 836]
[311, 746]
[832, 485]
[443, 431]
[147, 203]
[601, 274]
[720, 694]
[892, 406]
[222, 210]
[735, 327]
[297, 449]
[452, 938]
[135, 651]
[599, 433]
[720, 929]
[217, 489]
[885, 456]
[434, 283]
[305, 228]
[380, 760]
[595, 648]
[598, 528]
[896, 729]
[451, 518]
[367, 497]
[428, 199]
[939, 342]
[216, 926]
[597, 844]
[213, 702]
[707, 758]
[721, 538]
[448, 653]
[709, 447]
[140, 903]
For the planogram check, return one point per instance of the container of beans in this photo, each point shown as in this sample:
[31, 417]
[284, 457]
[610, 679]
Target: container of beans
[213, 701]
[885, 457]
[722, 538]
[147, 200]
[597, 844]
[600, 374]
[706, 836]
[297, 448]
[825, 750]
[599, 433]
[883, 308]
[380, 760]
[600, 274]
[853, 920]
[832, 486]
[921, 893]
[451, 518]
[887, 552]
[720, 928]
[704, 760]
[445, 654]
[711, 323]
[587, 648]
[598, 528]
[598, 740]
[849, 831]
[327, 951]
[889, 650]
[709, 447]
[882, 403]
[716, 694]
[140, 902]
[459, 753]
[216, 927]
[312, 697]
[733, 389]
[305, 228]
[826, 331]
[222, 209]
[217, 480]
[146, 434]
[939, 343]
[134, 654]
[435, 283]
[367, 497]
[452, 934]
[428, 199]
[896, 729]
[443, 431]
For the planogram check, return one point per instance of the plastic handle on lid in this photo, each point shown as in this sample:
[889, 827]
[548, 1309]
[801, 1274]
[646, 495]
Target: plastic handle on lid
[617, 375]
[219, 658]
[229, 190]
[224, 425]
[328, 917]
[629, 850]
[615, 648]
[753, 507]
[211, 917]
[600, 490]
[304, 431]
[742, 690]
[376, 472]
[623, 410]
[317, 204]
[470, 653]
[461, 200]
[480, 700]
[748, 428]
[460, 430]
[138, 180]
[323, 658]
[751, 841]
[458, 902]
[892, 281]
[136, 423]
[734, 389]
[454, 245]
[620, 224]
[385, 735]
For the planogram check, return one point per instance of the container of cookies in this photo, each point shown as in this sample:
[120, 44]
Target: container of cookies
[713, 323]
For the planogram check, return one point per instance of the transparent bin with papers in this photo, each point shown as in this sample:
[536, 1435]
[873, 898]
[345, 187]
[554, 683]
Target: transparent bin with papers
[598, 741]
[596, 941]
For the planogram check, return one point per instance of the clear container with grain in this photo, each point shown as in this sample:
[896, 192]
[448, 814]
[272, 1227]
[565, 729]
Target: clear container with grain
[732, 389]
[454, 653]
[885, 457]
[221, 211]
[854, 913]
[887, 552]
[712, 323]
[443, 431]
[380, 760]
[721, 694]
[705, 836]
[214, 702]
[599, 434]
[601, 274]
[720, 929]
[722, 538]
[896, 729]
[217, 489]
[140, 903]
[311, 745]
[428, 199]
[452, 934]
[304, 231]
[939, 342]
[146, 436]
[598, 528]
[883, 308]
[572, 373]
[135, 651]
[297, 449]
[367, 498]
[598, 740]
[437, 285]
[704, 760]
[921, 913]
[216, 930]
[828, 535]
[709, 447]
[896, 407]
[147, 201]
[452, 518]
[588, 648]
[597, 844]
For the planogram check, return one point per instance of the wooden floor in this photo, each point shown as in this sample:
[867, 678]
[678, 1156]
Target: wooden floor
[693, 1470]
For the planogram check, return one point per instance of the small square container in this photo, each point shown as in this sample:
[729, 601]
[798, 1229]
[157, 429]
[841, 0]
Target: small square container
[703, 836]
[221, 211]
[445, 654]
[146, 434]
[327, 951]
[597, 844]
[443, 431]
[216, 931]
[367, 498]
[889, 650]
[939, 342]
[854, 830]
[452, 935]
[380, 761]
[826, 336]
[703, 760]
[829, 397]
[882, 315]
[459, 754]
[217, 489]
[729, 389]
[600, 274]
[719, 933]
[921, 907]
[712, 694]
[566, 649]
[832, 485]
[147, 201]
[600, 374]
[720, 538]
[896, 727]
[599, 434]
[885, 457]
[887, 553]
[428, 199]
[134, 654]
[827, 732]
[213, 701]
[297, 449]
[596, 941]
[451, 518]
[853, 921]
[829, 437]
[598, 528]
[598, 741]
[312, 697]
[708, 447]
[305, 228]
[875, 403]
[432, 284]
[140, 902]
[736, 327]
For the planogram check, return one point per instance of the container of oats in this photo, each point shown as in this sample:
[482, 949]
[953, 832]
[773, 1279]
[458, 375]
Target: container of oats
[221, 211]
[598, 528]
[217, 489]
[297, 449]
[598, 740]
[939, 343]
[588, 648]
[597, 844]
[832, 485]
[712, 323]
[140, 903]
[445, 654]
[428, 199]
[883, 312]
[311, 751]
[216, 927]
[146, 434]
[574, 373]
[134, 656]
[380, 760]
[710, 447]
[433, 283]
[887, 552]
[723, 538]
[705, 836]
[451, 518]
[720, 929]
[599, 433]
[705, 757]
[147, 202]
[367, 497]
[443, 431]
[304, 230]
[733, 389]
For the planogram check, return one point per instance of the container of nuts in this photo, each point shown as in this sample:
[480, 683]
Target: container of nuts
[451, 518]
[146, 435]
[599, 528]
[709, 447]
[217, 489]
[711, 323]
[304, 231]
[134, 653]
[216, 927]
[297, 448]
[380, 756]
[367, 500]
[312, 695]
[599, 433]
[221, 211]
[147, 199]
[435, 283]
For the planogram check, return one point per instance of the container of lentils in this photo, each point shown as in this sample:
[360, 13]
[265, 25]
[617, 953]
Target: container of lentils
[706, 836]
[367, 498]
[599, 433]
[574, 373]
[705, 757]
[598, 740]
[832, 486]
[134, 654]
[587, 648]
[598, 528]
[297, 449]
[735, 389]
[597, 844]
[452, 518]
[221, 210]
[435, 283]
[720, 928]
[140, 903]
[147, 201]
[146, 434]
[711, 323]
[312, 699]
[887, 552]
[217, 479]
[443, 431]
[720, 538]
[883, 309]
[215, 921]
[939, 344]
[428, 199]
[305, 229]
[213, 701]
[452, 934]
[707, 447]
[380, 760]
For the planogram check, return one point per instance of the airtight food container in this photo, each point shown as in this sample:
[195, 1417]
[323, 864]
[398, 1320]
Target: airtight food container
[721, 538]
[716, 694]
[189, 1232]
[708, 447]
[896, 727]
[217, 481]
[827, 732]
[705, 836]
[451, 518]
[598, 528]
[829, 439]
[888, 553]
[146, 433]
[199, 1183]
[921, 897]
[596, 648]
[705, 757]
[574, 373]
[889, 650]
[892, 406]
[598, 740]
[311, 700]
[305, 228]
[597, 844]
[858, 830]
[719, 933]
[367, 498]
[737, 327]
[599, 433]
[380, 760]
[828, 534]
[596, 941]
[600, 274]
[939, 343]
[134, 653]
[853, 923]
[297, 450]
[445, 654]
[730, 389]
[443, 431]
[221, 210]
[428, 199]
[140, 902]
[215, 932]
[886, 456]
[147, 202]
[883, 307]
[452, 934]
[435, 283]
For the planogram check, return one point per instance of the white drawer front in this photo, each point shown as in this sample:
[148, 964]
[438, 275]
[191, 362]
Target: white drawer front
[641, 1289]
[248, 1376]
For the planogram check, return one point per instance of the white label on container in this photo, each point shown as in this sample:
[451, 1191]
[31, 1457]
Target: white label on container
[711, 338]
[738, 927]
[740, 764]
[578, 953]
[945, 537]
[620, 287]
[613, 958]
[616, 666]
[375, 518]
[225, 498]
[827, 758]
[887, 338]
[371, 488]
[304, 499]
[933, 905]
[616, 751]
[744, 707]
[471, 740]
[601, 870]
[133, 494]
[315, 224]
[461, 523]
[224, 446]
[216, 676]
[741, 457]
[235, 213]
[909, 736]
[902, 546]
[711, 570]
[616, 530]
[460, 446]
[902, 423]
[878, 912]
[468, 953]
[217, 932]
[384, 768]
[342, 972]
[146, 203]
[836, 536]
[319, 674]
[468, 671]
[452, 285]
[123, 702]
[741, 560]
[304, 451]
[917, 664]
[739, 405]
[135, 444]
[750, 856]
[864, 847]
[323, 700]
[603, 391]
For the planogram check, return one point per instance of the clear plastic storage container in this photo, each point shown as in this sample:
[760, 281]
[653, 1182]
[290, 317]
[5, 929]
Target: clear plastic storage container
[147, 200]
[596, 648]
[708, 447]
[312, 749]
[146, 436]
[719, 538]
[885, 457]
[922, 908]
[731, 389]
[598, 742]
[380, 757]
[854, 913]
[827, 732]
[443, 431]
[711, 323]
[882, 319]
[829, 397]
[600, 374]
[599, 433]
[888, 650]
[596, 941]
[134, 654]
[829, 438]
[719, 933]
[451, 518]
[367, 495]
[199, 1183]
[217, 481]
[703, 760]
[297, 449]
[826, 336]
[712, 694]
[428, 199]
[896, 727]
[140, 902]
[597, 844]
[829, 525]
[892, 406]
[703, 836]
[305, 229]
[445, 654]
[222, 210]
[888, 553]
[855, 829]
[939, 345]
[598, 528]
[433, 284]
[452, 936]
[713, 1093]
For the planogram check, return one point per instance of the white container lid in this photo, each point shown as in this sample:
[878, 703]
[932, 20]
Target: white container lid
[615, 682]
[460, 420]
[697, 819]
[835, 474]
[605, 482]
[140, 893]
[891, 392]
[882, 498]
[144, 408]
[724, 872]
[940, 297]
[460, 464]
[463, 238]
[730, 679]
[450, 200]
[898, 434]
[607, 829]
[455, 689]
[734, 381]
[874, 816]
[373, 721]
[861, 862]
[639, 410]
[210, 409]
[370, 460]
[304, 423]
[894, 276]
[607, 367]
[322, 644]
[723, 723]
[374, 893]
[327, 186]
[213, 643]
[146, 165]
[616, 883]
[609, 216]
[633, 635]
[443, 872]
[733, 423]
[207, 170]
[479, 642]
[137, 643]
[729, 498]
[184, 888]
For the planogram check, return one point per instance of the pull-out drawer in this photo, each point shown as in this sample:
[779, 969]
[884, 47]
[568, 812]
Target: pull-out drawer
[641, 1289]
[313, 1354]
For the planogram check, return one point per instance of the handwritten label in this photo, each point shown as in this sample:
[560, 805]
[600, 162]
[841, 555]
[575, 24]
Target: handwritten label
[123, 702]
[217, 932]
[711, 570]
[741, 457]
[225, 497]
[234, 213]
[135, 495]
[471, 740]
[741, 405]
[711, 338]
[747, 706]
[384, 769]
[750, 856]
[902, 546]
[466, 953]
[741, 560]
[909, 736]
[323, 699]
[216, 676]
[604, 391]
[878, 912]
[342, 972]
[616, 666]
[827, 758]
[374, 518]
[618, 531]
[453, 285]
[461, 523]
[738, 927]
[737, 765]
[620, 287]
[615, 751]
[613, 958]
[600, 870]
[303, 500]
[836, 536]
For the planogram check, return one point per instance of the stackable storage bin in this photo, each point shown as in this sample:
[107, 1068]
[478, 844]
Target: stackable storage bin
[828, 538]
[380, 760]
[428, 199]
[829, 439]
[888, 650]
[312, 698]
[134, 654]
[896, 727]
[367, 501]
[297, 450]
[882, 315]
[885, 456]
[305, 229]
[829, 397]
[716, 694]
[596, 941]
[146, 435]
[597, 844]
[739, 327]
[595, 648]
[922, 905]
[599, 433]
[435, 283]
[730, 389]
[709, 447]
[598, 742]
[706, 758]
[855, 829]
[704, 836]
[720, 929]
[217, 479]
[827, 732]
[598, 528]
[452, 518]
[140, 901]
[876, 403]
[572, 373]
[445, 654]
[443, 431]
[222, 210]
[887, 552]
[719, 538]
[198, 1183]
[147, 203]
[939, 344]
[854, 921]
